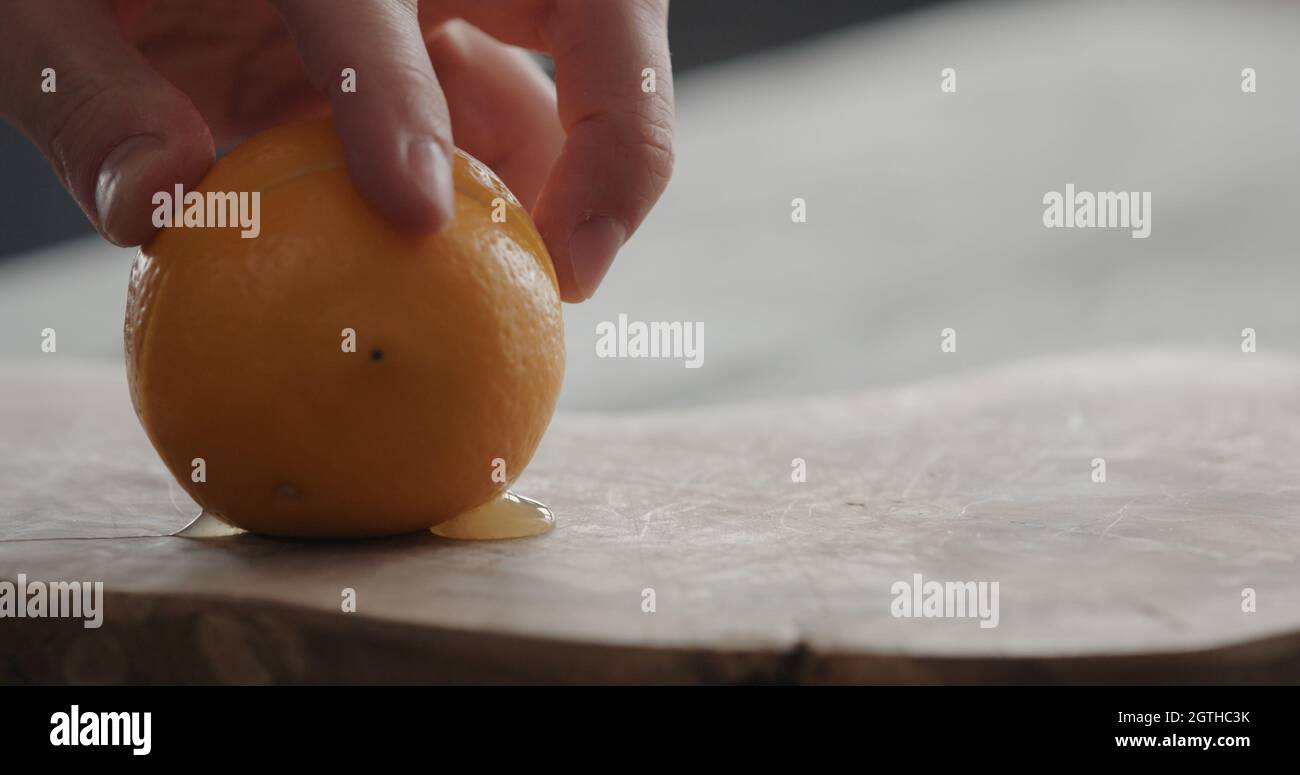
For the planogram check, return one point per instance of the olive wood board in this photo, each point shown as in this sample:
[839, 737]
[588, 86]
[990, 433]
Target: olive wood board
[982, 475]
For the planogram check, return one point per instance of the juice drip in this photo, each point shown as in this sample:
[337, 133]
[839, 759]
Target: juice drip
[510, 516]
[207, 525]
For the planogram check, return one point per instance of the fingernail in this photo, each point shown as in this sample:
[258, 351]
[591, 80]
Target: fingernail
[592, 247]
[119, 174]
[431, 170]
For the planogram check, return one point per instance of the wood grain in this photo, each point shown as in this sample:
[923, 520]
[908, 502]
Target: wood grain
[982, 476]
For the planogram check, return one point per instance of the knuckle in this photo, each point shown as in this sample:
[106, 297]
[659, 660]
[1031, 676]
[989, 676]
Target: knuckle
[453, 40]
[79, 118]
[654, 9]
[649, 141]
[657, 159]
[642, 137]
[78, 135]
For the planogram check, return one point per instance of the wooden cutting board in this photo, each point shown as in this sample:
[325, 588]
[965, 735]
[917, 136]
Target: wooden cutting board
[986, 476]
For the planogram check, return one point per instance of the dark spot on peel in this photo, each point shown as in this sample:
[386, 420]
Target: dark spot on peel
[376, 354]
[287, 490]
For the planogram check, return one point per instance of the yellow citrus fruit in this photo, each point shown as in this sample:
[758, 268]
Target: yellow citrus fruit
[238, 349]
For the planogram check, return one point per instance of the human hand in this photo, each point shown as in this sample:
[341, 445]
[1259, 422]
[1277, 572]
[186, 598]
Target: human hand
[145, 86]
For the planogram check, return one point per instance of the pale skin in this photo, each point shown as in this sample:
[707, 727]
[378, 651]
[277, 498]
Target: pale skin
[148, 88]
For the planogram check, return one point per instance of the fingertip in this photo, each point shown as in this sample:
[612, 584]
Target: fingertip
[569, 291]
[593, 244]
[122, 173]
[430, 176]
[410, 187]
[132, 172]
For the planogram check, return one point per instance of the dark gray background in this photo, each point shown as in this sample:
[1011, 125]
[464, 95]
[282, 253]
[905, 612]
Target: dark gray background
[35, 210]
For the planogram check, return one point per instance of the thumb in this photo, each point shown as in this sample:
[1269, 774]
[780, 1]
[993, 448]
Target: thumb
[113, 129]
